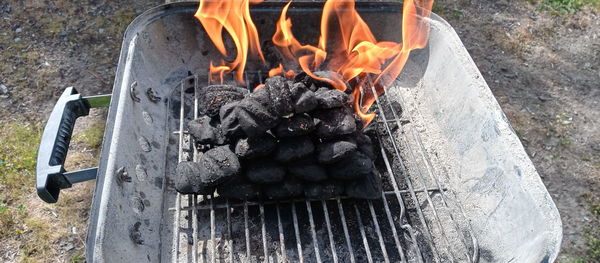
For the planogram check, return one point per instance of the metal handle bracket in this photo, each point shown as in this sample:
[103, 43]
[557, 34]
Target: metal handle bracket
[51, 176]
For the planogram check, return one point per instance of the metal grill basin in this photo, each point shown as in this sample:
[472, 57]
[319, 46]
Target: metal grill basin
[458, 185]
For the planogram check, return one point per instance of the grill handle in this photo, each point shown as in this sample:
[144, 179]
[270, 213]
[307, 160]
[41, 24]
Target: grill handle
[51, 175]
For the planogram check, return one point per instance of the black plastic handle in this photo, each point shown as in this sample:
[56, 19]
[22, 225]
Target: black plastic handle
[51, 174]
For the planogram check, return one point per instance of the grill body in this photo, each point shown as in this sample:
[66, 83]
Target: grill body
[458, 183]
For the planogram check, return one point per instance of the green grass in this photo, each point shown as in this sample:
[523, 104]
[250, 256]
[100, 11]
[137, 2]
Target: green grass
[77, 259]
[22, 220]
[18, 151]
[567, 6]
[596, 209]
[92, 136]
[18, 148]
[593, 242]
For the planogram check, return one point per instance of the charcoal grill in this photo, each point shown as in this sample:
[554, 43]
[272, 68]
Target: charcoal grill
[458, 185]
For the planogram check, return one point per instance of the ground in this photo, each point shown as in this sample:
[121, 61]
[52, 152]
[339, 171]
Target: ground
[541, 58]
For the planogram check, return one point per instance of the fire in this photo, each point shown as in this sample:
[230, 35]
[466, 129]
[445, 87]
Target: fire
[359, 59]
[280, 71]
[234, 17]
[276, 71]
[362, 56]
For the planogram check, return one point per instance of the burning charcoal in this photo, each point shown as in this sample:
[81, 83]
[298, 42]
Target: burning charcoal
[205, 133]
[262, 97]
[306, 102]
[365, 145]
[357, 165]
[215, 96]
[308, 170]
[304, 99]
[298, 124]
[327, 75]
[331, 98]
[290, 188]
[265, 172]
[188, 179]
[303, 78]
[323, 191]
[365, 188]
[239, 189]
[335, 122]
[230, 125]
[250, 148]
[293, 148]
[297, 89]
[331, 152]
[220, 164]
[254, 118]
[281, 97]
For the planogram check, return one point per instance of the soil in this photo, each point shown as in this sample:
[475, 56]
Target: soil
[543, 68]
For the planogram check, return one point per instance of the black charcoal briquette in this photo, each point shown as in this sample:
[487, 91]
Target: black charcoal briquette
[205, 133]
[281, 97]
[239, 189]
[220, 164]
[308, 171]
[265, 172]
[330, 152]
[230, 125]
[254, 118]
[215, 96]
[368, 187]
[293, 148]
[188, 179]
[297, 125]
[365, 145]
[297, 89]
[334, 122]
[331, 98]
[356, 165]
[290, 188]
[306, 102]
[253, 147]
[323, 191]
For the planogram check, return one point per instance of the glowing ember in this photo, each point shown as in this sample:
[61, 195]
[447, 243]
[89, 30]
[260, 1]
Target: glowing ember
[234, 17]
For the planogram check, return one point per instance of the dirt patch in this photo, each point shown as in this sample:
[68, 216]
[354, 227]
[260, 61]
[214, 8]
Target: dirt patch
[46, 46]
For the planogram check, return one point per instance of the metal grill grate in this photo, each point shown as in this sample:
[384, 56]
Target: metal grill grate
[416, 220]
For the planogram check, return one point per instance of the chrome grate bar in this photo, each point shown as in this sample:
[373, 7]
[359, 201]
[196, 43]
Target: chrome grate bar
[432, 175]
[329, 232]
[410, 224]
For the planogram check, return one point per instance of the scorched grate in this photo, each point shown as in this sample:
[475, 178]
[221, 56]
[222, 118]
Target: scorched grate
[213, 229]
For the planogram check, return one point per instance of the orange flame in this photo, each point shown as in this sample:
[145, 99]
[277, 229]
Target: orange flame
[358, 56]
[415, 35]
[217, 72]
[361, 111]
[234, 17]
[276, 71]
[259, 86]
[291, 48]
[361, 54]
